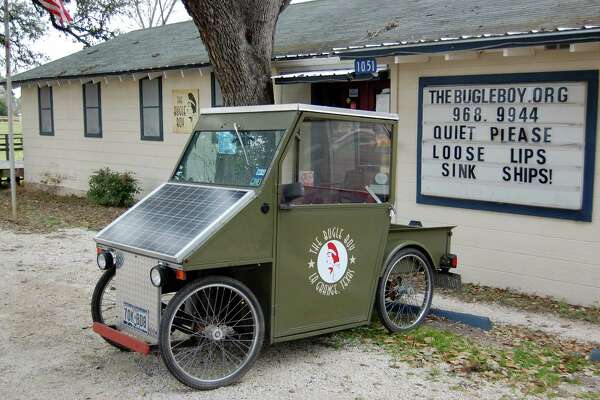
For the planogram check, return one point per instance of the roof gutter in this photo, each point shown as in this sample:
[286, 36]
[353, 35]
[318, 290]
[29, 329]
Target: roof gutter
[110, 73]
[276, 59]
[484, 42]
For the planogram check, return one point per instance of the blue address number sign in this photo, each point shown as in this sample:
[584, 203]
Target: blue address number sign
[365, 66]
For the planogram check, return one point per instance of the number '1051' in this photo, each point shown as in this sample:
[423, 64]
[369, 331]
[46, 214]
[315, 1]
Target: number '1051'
[366, 66]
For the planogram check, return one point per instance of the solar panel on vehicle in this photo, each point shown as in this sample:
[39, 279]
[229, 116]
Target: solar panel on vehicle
[170, 218]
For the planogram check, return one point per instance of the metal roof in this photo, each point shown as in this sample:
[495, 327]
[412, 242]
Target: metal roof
[331, 75]
[300, 107]
[486, 41]
[315, 29]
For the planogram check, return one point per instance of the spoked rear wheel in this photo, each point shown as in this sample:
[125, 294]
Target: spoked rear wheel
[405, 291]
[211, 332]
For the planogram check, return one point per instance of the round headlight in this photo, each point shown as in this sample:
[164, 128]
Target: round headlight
[156, 276]
[104, 260]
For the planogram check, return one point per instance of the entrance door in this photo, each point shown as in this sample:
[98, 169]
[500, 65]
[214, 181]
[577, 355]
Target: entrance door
[360, 95]
[330, 241]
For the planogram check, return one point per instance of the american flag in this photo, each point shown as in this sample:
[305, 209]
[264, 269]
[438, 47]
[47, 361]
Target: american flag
[58, 9]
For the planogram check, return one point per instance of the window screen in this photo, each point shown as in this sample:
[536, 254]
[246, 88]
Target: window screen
[46, 116]
[92, 113]
[344, 161]
[151, 109]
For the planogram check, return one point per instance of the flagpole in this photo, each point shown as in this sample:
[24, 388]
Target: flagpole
[11, 143]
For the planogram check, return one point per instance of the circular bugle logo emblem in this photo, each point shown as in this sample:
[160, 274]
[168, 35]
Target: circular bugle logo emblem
[332, 250]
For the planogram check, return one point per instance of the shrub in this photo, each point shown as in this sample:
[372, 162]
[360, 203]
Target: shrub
[111, 188]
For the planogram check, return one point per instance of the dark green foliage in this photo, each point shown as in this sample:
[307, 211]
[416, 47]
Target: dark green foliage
[93, 23]
[111, 188]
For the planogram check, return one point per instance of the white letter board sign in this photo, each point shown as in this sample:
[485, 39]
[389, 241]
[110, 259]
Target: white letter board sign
[519, 143]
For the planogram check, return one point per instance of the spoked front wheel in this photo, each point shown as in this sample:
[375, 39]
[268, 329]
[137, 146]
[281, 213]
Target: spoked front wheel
[211, 332]
[104, 304]
[405, 291]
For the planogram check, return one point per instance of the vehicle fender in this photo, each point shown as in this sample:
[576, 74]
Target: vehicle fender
[403, 245]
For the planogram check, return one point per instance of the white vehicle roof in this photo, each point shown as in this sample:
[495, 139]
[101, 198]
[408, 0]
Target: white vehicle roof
[300, 107]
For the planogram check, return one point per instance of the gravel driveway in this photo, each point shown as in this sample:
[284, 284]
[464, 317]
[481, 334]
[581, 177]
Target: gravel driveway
[48, 351]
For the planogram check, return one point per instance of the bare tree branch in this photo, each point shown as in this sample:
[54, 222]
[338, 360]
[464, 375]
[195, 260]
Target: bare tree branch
[139, 14]
[149, 13]
[80, 38]
[173, 2]
[153, 12]
[162, 14]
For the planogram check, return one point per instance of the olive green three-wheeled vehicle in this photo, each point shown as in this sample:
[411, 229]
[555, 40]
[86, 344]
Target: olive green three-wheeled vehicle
[275, 225]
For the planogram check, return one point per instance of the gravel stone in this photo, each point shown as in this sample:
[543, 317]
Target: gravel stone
[48, 350]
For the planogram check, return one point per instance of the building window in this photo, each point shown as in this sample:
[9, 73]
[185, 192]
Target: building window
[46, 116]
[151, 118]
[216, 96]
[92, 112]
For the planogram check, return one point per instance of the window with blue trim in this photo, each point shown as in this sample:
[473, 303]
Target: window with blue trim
[92, 112]
[45, 111]
[151, 119]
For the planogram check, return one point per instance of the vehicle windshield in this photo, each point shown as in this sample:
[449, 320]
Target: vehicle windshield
[234, 157]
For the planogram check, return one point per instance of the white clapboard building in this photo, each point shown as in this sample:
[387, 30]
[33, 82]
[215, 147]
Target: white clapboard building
[498, 105]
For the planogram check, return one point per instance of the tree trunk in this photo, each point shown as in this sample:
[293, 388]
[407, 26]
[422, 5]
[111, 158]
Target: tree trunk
[239, 35]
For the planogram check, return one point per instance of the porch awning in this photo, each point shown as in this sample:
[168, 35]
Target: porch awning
[332, 75]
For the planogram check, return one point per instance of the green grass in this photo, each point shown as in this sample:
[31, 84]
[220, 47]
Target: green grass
[589, 396]
[16, 127]
[534, 363]
[18, 132]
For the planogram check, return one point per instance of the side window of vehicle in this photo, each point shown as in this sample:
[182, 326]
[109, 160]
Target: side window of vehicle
[289, 166]
[344, 162]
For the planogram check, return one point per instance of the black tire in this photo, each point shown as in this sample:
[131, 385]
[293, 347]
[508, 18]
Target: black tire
[97, 297]
[397, 310]
[197, 316]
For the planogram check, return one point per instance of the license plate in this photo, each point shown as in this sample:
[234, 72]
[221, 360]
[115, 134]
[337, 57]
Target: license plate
[135, 317]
